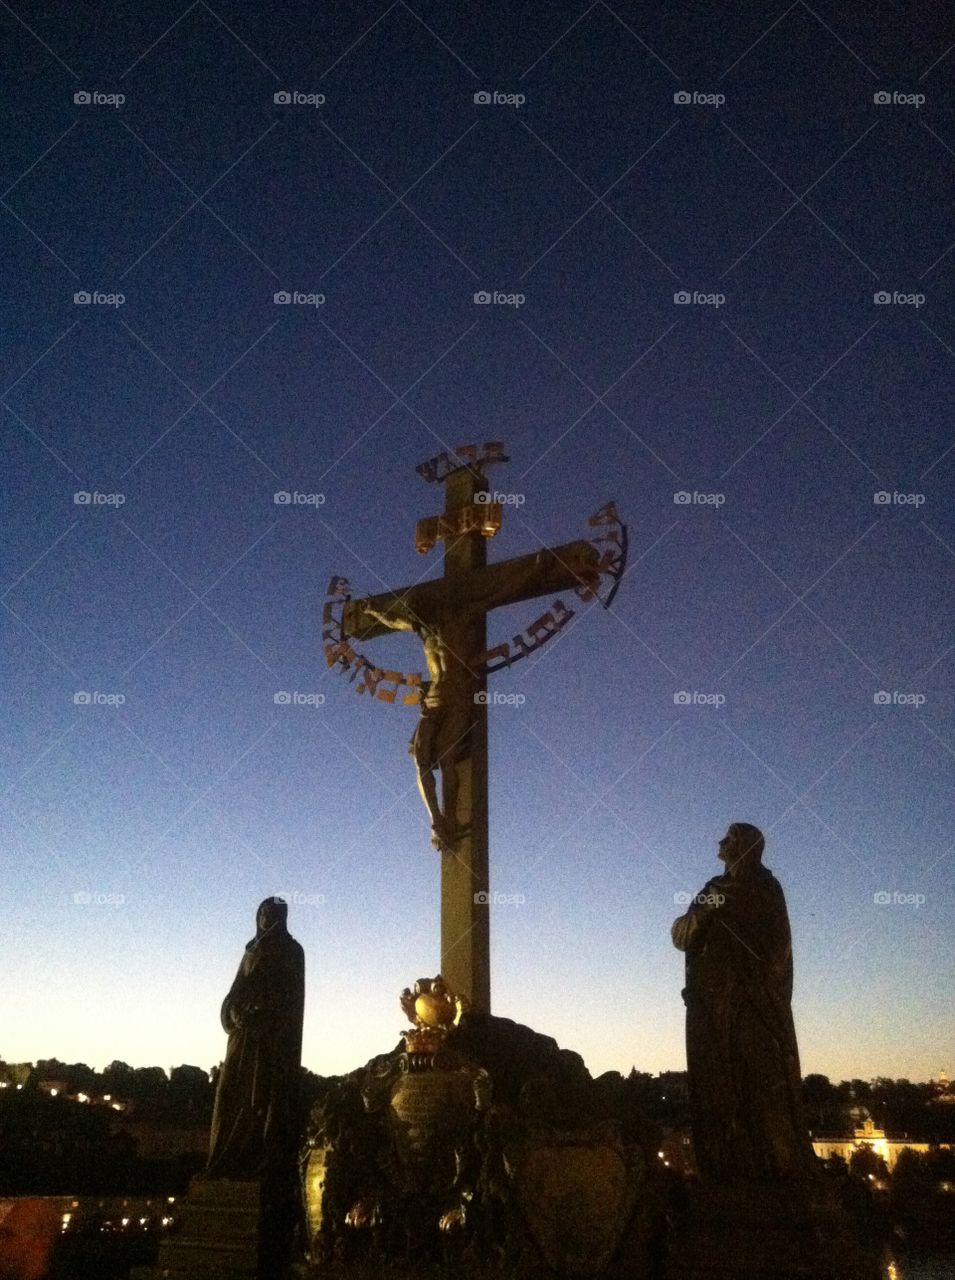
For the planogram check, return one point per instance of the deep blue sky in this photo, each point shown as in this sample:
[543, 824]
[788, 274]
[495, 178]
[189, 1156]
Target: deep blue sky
[600, 197]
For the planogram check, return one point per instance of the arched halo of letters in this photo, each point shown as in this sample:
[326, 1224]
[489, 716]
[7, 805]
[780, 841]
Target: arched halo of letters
[611, 543]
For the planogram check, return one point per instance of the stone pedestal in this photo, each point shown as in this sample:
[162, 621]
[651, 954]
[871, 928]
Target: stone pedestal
[757, 1231]
[217, 1236]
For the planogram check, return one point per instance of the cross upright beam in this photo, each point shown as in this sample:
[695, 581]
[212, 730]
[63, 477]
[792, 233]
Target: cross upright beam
[449, 615]
[465, 870]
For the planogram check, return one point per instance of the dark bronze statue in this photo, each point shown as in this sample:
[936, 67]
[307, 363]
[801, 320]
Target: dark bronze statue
[445, 626]
[254, 1124]
[442, 735]
[742, 1057]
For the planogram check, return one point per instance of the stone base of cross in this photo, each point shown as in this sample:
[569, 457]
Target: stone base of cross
[449, 614]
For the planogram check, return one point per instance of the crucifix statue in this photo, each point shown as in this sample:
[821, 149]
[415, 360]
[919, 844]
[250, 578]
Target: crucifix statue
[449, 615]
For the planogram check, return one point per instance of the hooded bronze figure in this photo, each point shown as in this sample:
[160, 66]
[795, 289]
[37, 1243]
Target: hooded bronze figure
[256, 1106]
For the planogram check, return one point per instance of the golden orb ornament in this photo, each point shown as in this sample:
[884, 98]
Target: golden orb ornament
[433, 1010]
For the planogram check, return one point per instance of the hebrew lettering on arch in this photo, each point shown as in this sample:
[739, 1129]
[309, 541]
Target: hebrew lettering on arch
[414, 683]
[526, 646]
[522, 647]
[340, 654]
[606, 515]
[359, 664]
[371, 677]
[435, 468]
[615, 535]
[543, 626]
[499, 651]
[562, 614]
[389, 677]
[608, 562]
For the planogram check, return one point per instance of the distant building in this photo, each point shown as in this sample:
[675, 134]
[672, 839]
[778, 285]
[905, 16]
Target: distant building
[867, 1135]
[943, 1090]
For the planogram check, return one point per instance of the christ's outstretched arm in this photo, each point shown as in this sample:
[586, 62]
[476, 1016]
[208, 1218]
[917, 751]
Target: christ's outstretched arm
[397, 617]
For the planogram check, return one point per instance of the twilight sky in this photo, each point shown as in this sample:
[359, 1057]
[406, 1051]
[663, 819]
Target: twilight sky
[720, 244]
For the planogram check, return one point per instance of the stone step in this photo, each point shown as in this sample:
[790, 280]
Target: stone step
[217, 1235]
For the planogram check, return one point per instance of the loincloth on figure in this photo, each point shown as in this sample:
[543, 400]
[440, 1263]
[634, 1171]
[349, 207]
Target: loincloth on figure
[441, 734]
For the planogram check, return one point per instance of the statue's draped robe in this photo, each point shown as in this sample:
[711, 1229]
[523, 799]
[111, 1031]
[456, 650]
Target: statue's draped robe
[253, 1123]
[742, 1057]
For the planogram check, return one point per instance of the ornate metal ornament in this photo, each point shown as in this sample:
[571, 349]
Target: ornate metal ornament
[428, 1101]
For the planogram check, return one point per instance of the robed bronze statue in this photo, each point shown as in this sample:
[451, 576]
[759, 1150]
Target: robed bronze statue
[254, 1123]
[742, 1058]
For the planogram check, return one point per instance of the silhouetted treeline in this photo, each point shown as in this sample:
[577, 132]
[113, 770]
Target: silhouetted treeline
[68, 1130]
[64, 1128]
[900, 1107]
[187, 1090]
[58, 1146]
